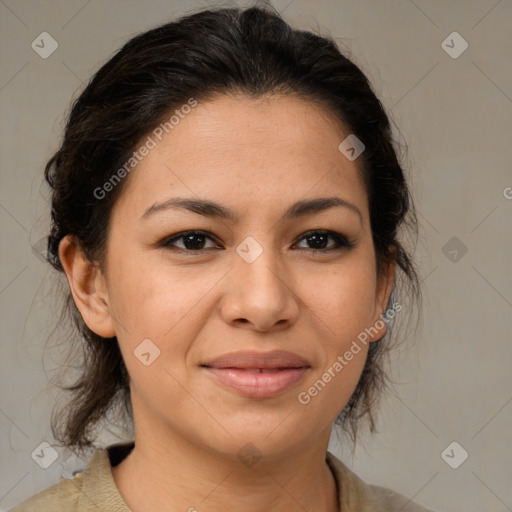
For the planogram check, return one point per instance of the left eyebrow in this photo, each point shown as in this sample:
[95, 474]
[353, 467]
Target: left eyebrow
[215, 210]
[308, 207]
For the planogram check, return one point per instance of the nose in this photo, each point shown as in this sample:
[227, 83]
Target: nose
[260, 295]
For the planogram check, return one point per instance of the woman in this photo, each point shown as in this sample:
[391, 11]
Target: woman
[226, 209]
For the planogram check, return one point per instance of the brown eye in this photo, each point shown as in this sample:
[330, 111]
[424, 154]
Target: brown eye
[192, 241]
[318, 241]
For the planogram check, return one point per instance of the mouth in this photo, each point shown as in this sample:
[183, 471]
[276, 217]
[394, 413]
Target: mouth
[258, 375]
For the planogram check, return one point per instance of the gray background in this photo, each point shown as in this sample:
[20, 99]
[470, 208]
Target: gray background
[455, 116]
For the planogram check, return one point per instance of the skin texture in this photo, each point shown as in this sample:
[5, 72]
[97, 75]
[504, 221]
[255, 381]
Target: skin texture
[256, 157]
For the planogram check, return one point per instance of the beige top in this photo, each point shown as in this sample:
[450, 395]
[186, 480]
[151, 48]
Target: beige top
[95, 489]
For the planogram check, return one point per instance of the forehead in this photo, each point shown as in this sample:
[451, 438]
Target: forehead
[246, 152]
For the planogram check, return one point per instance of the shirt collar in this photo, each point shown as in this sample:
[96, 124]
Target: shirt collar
[98, 485]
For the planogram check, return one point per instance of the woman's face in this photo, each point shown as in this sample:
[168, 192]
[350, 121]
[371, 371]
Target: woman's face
[248, 282]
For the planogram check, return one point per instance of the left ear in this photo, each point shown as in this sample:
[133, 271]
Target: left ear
[385, 281]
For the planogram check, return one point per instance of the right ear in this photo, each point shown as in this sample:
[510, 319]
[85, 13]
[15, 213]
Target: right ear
[88, 287]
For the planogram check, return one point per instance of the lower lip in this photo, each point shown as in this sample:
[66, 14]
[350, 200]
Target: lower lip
[256, 384]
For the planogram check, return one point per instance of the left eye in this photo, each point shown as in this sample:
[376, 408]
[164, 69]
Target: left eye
[319, 239]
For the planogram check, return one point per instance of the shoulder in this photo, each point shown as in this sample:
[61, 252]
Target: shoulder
[92, 490]
[358, 496]
[62, 496]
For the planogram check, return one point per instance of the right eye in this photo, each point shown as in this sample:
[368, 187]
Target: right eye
[192, 241]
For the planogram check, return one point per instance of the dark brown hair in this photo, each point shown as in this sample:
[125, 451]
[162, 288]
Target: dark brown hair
[218, 51]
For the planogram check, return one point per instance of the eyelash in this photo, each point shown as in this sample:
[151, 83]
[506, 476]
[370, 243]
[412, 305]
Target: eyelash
[341, 241]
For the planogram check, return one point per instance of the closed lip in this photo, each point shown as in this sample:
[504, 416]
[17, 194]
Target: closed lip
[253, 360]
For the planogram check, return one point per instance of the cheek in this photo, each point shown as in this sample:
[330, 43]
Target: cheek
[152, 299]
[156, 320]
[342, 299]
[147, 296]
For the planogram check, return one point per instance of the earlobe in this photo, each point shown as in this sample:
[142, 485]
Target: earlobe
[88, 287]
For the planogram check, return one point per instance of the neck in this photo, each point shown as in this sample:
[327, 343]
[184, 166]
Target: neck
[167, 473]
